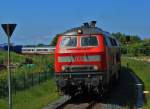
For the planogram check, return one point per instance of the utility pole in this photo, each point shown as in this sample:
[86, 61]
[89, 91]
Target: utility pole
[127, 43]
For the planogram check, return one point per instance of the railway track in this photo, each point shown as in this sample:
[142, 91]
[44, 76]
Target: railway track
[93, 104]
[80, 106]
[76, 102]
[60, 103]
[121, 95]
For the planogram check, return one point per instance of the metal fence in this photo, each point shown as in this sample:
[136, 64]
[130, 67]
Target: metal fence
[23, 82]
[136, 51]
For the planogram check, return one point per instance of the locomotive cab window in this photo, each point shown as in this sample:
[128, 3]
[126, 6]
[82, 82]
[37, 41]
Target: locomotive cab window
[70, 41]
[89, 41]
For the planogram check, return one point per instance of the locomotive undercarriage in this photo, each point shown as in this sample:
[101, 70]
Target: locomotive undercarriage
[75, 83]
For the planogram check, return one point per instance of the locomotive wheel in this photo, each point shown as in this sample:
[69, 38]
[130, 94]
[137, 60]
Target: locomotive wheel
[116, 76]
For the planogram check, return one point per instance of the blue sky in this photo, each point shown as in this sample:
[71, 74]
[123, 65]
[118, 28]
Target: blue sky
[40, 20]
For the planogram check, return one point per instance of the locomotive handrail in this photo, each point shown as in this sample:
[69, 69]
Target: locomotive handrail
[85, 73]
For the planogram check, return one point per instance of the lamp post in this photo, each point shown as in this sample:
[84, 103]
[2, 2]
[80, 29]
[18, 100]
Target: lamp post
[9, 28]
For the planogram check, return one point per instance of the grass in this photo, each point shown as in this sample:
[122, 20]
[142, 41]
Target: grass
[43, 63]
[35, 98]
[142, 70]
[3, 57]
[38, 96]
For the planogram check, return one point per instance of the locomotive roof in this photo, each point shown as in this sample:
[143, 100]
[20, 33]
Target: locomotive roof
[86, 29]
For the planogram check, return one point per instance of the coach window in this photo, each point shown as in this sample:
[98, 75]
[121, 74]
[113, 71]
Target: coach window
[45, 49]
[89, 41]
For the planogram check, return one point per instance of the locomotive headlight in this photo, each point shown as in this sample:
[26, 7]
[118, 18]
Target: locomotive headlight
[79, 31]
[95, 67]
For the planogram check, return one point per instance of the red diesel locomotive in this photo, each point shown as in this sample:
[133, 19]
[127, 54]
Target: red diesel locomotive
[87, 59]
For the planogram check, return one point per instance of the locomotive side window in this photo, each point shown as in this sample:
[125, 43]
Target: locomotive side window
[107, 41]
[117, 43]
[89, 41]
[113, 42]
[70, 41]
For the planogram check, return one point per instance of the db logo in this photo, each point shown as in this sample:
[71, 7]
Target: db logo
[78, 58]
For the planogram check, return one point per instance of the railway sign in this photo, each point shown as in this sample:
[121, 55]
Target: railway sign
[9, 28]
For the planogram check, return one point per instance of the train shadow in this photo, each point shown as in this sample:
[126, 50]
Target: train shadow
[124, 92]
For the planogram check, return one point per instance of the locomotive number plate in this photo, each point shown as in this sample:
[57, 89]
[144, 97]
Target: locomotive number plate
[79, 58]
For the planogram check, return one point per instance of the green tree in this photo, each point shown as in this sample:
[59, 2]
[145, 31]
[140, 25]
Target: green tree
[146, 42]
[54, 41]
[122, 38]
[40, 45]
[135, 39]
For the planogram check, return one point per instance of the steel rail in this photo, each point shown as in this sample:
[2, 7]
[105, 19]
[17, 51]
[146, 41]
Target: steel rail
[59, 104]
